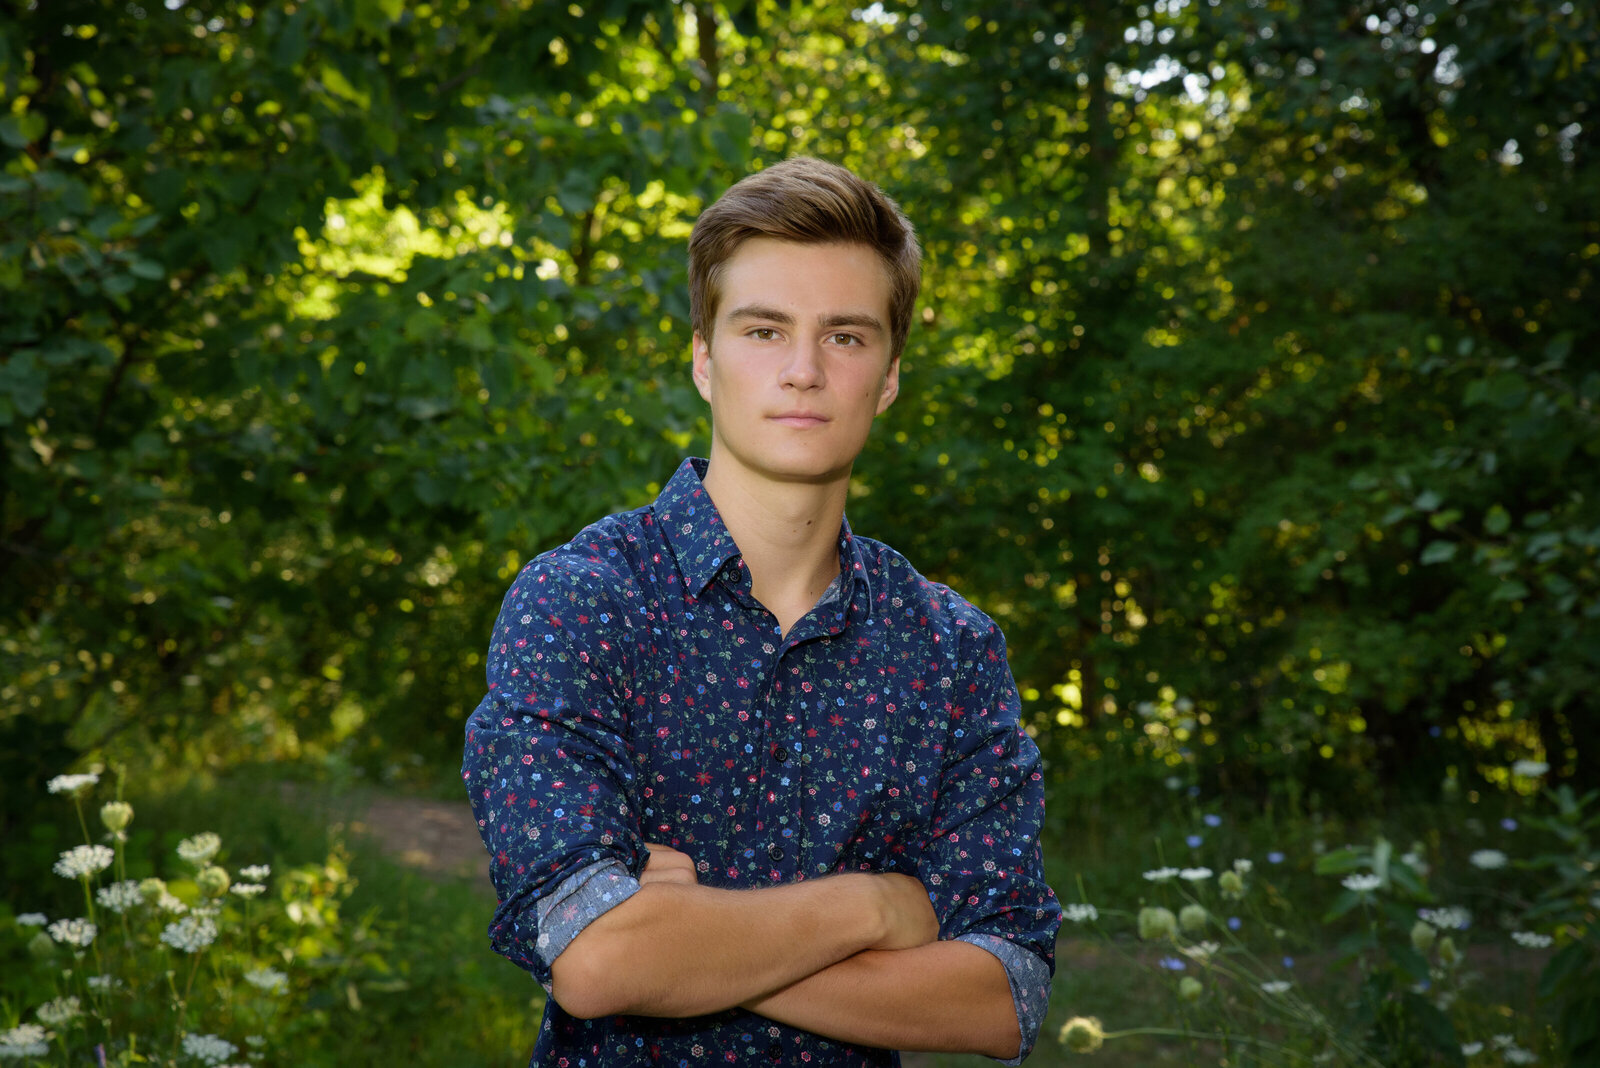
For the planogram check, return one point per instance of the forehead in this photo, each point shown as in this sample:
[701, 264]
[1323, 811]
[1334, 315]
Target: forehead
[823, 278]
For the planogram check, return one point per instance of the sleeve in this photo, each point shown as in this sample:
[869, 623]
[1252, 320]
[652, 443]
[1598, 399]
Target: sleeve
[548, 765]
[983, 865]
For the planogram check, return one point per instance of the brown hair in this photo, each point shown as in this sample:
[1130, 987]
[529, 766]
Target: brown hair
[811, 202]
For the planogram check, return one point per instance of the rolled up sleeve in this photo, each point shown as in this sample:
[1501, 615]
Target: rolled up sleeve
[548, 764]
[983, 866]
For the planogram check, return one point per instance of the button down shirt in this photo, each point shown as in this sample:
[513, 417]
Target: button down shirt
[638, 692]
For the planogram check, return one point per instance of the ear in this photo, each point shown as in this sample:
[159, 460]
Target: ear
[702, 366]
[891, 386]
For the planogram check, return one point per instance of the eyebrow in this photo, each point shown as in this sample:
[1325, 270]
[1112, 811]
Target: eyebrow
[768, 313]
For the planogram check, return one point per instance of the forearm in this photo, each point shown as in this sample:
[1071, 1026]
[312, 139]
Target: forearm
[945, 996]
[684, 950]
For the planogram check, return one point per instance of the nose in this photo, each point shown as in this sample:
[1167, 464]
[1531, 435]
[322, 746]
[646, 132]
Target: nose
[803, 369]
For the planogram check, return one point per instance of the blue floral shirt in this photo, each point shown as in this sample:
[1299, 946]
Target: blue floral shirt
[638, 693]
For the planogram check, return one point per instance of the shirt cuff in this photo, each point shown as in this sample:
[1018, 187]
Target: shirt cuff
[576, 902]
[1030, 986]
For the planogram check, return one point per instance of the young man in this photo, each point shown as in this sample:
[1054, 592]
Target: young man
[754, 790]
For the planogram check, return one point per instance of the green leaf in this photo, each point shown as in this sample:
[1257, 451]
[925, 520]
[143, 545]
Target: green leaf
[1497, 520]
[1510, 590]
[1568, 962]
[1437, 552]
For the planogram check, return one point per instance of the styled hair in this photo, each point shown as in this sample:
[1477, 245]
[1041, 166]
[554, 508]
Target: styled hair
[811, 202]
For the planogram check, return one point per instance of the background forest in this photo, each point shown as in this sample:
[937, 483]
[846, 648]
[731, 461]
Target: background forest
[1253, 392]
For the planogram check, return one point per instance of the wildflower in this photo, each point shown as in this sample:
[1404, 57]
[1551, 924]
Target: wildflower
[32, 919]
[152, 888]
[1157, 922]
[73, 932]
[1075, 912]
[41, 946]
[1274, 857]
[212, 880]
[59, 1011]
[1414, 861]
[1172, 782]
[1531, 939]
[1504, 1041]
[1234, 923]
[1201, 951]
[1488, 859]
[269, 979]
[1194, 841]
[1471, 1049]
[116, 815]
[1190, 988]
[1450, 918]
[80, 862]
[254, 889]
[1288, 962]
[1231, 884]
[1172, 964]
[208, 1048]
[119, 897]
[1423, 936]
[72, 785]
[1529, 769]
[103, 982]
[1508, 824]
[255, 872]
[1276, 986]
[25, 1040]
[1243, 866]
[1160, 875]
[190, 934]
[1515, 1055]
[1363, 883]
[169, 902]
[1082, 1034]
[1195, 875]
[1212, 820]
[1449, 955]
[1192, 918]
[200, 848]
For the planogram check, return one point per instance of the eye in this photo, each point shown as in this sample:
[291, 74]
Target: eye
[763, 333]
[844, 339]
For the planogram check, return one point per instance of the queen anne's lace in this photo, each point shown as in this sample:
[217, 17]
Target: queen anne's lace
[190, 934]
[80, 862]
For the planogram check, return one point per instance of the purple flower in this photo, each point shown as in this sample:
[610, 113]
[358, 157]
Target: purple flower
[1213, 820]
[1194, 791]
[1234, 923]
[1194, 841]
[1173, 964]
[1509, 824]
[1288, 962]
[1274, 857]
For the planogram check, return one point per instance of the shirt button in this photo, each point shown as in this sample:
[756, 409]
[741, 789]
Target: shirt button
[780, 754]
[775, 851]
[775, 1051]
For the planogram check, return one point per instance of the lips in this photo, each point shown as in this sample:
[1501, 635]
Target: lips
[799, 419]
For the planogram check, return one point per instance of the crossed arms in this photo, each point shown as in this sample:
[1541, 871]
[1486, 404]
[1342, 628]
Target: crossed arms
[854, 957]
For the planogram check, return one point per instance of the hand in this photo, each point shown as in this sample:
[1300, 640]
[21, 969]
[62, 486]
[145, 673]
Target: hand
[908, 914]
[667, 865]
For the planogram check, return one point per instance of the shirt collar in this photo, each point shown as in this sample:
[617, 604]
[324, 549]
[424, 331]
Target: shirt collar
[701, 543]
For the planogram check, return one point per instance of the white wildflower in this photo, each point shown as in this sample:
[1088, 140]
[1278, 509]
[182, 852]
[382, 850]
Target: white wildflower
[255, 1041]
[1529, 769]
[208, 1048]
[1160, 875]
[1488, 859]
[170, 902]
[1531, 939]
[269, 979]
[1449, 918]
[103, 982]
[1243, 866]
[1201, 951]
[59, 1011]
[199, 849]
[80, 862]
[1081, 913]
[1363, 883]
[1504, 1041]
[255, 872]
[72, 784]
[25, 1040]
[247, 889]
[1471, 1049]
[1516, 1055]
[1195, 875]
[74, 932]
[32, 919]
[120, 897]
[190, 934]
[1276, 986]
[1415, 862]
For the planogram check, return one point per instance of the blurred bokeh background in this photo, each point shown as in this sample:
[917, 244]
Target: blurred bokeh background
[1252, 390]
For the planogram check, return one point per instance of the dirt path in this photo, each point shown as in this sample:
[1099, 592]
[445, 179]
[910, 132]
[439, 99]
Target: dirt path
[437, 837]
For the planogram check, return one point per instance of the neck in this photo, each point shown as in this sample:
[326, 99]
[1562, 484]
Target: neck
[787, 532]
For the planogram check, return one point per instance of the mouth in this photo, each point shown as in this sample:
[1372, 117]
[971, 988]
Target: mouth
[799, 420]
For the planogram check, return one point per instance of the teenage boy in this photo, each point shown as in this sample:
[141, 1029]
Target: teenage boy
[754, 790]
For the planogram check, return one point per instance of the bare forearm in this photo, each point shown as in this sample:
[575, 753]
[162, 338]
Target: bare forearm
[945, 996]
[685, 950]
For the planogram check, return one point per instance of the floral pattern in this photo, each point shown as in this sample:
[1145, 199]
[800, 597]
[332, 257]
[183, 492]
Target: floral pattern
[637, 692]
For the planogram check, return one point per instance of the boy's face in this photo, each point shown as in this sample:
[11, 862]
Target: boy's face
[800, 363]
